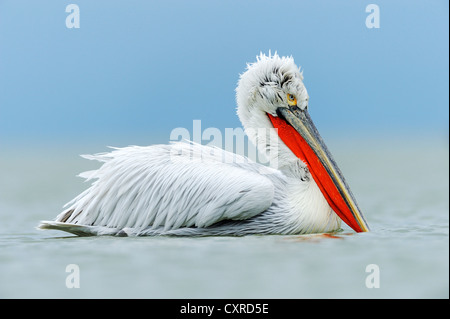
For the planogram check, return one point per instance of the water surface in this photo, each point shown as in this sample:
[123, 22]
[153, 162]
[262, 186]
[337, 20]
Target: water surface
[401, 186]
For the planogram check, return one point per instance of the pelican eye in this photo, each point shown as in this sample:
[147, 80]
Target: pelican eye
[292, 100]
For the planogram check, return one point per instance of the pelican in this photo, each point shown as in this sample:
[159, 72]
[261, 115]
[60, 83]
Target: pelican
[188, 189]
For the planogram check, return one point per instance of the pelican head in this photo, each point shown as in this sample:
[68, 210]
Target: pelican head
[271, 94]
[270, 83]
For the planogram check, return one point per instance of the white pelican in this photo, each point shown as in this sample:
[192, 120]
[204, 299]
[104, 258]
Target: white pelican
[186, 189]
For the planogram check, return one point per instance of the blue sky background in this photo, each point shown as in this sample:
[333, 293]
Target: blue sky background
[135, 70]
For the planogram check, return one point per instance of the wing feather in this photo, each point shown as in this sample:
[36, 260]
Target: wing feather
[169, 186]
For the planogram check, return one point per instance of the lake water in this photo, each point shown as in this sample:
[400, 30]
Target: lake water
[401, 186]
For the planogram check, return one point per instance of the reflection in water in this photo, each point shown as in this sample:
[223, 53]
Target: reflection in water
[319, 237]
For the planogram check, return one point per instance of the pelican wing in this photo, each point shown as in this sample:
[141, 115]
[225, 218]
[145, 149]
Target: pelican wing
[169, 186]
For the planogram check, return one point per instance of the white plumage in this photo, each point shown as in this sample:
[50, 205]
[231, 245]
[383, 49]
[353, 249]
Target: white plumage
[194, 190]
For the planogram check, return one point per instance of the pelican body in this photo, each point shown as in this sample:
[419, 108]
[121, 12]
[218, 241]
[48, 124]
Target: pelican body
[187, 189]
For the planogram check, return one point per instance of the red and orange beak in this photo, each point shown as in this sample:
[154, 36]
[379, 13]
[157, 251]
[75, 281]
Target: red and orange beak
[297, 131]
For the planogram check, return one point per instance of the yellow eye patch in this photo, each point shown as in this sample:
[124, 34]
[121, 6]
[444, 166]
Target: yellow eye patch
[292, 100]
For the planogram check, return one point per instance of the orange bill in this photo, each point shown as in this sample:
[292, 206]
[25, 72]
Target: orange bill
[297, 131]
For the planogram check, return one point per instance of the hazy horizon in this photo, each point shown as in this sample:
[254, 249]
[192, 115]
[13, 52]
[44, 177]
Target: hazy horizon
[133, 72]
